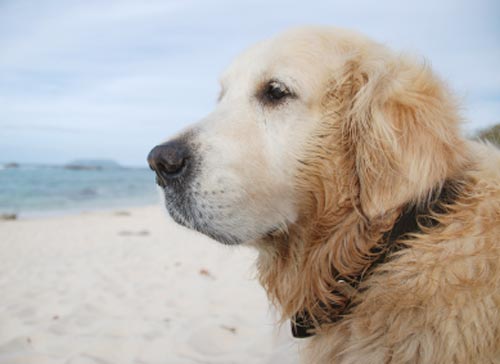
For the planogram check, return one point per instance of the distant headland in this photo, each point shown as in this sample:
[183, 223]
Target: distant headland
[92, 164]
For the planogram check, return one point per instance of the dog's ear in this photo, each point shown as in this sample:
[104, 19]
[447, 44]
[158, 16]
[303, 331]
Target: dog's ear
[402, 128]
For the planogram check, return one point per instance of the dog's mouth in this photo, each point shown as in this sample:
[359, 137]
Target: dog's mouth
[274, 233]
[184, 210]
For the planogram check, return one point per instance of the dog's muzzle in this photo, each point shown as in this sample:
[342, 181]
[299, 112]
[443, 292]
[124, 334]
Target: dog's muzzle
[177, 167]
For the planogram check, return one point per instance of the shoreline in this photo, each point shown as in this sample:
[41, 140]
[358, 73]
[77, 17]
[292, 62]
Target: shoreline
[42, 190]
[54, 213]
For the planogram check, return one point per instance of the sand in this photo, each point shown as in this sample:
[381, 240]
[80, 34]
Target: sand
[119, 287]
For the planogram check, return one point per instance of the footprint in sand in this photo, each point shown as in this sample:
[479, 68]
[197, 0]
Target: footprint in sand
[133, 233]
[220, 340]
[122, 213]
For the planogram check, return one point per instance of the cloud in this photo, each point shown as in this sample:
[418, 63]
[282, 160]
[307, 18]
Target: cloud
[126, 74]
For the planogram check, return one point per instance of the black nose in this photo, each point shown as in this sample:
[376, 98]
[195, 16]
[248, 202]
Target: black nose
[170, 161]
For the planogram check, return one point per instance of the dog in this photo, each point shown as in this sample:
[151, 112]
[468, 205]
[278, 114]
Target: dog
[377, 224]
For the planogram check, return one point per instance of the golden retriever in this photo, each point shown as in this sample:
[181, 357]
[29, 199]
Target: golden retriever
[377, 223]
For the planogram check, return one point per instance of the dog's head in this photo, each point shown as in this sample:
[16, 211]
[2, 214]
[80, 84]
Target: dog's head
[306, 123]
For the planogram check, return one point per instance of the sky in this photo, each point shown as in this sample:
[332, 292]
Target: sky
[111, 79]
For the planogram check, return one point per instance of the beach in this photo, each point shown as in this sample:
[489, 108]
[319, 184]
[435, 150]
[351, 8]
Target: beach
[130, 286]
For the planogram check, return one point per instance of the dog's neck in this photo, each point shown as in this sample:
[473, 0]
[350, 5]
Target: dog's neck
[289, 268]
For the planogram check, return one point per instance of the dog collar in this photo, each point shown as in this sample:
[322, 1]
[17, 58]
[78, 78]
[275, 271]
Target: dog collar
[410, 221]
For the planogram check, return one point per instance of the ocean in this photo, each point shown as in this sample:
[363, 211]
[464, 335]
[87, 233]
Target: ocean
[35, 189]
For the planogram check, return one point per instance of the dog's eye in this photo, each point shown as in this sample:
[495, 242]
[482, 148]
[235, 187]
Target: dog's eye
[275, 92]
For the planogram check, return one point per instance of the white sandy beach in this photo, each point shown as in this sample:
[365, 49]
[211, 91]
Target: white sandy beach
[119, 287]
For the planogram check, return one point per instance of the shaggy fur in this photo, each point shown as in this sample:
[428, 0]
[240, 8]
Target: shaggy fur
[388, 138]
[326, 173]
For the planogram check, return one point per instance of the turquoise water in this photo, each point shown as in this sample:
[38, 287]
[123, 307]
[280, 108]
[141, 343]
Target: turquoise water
[45, 189]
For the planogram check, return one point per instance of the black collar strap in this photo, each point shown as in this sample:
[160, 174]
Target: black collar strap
[410, 221]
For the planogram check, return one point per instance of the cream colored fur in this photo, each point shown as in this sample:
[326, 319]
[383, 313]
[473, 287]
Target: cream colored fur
[315, 182]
